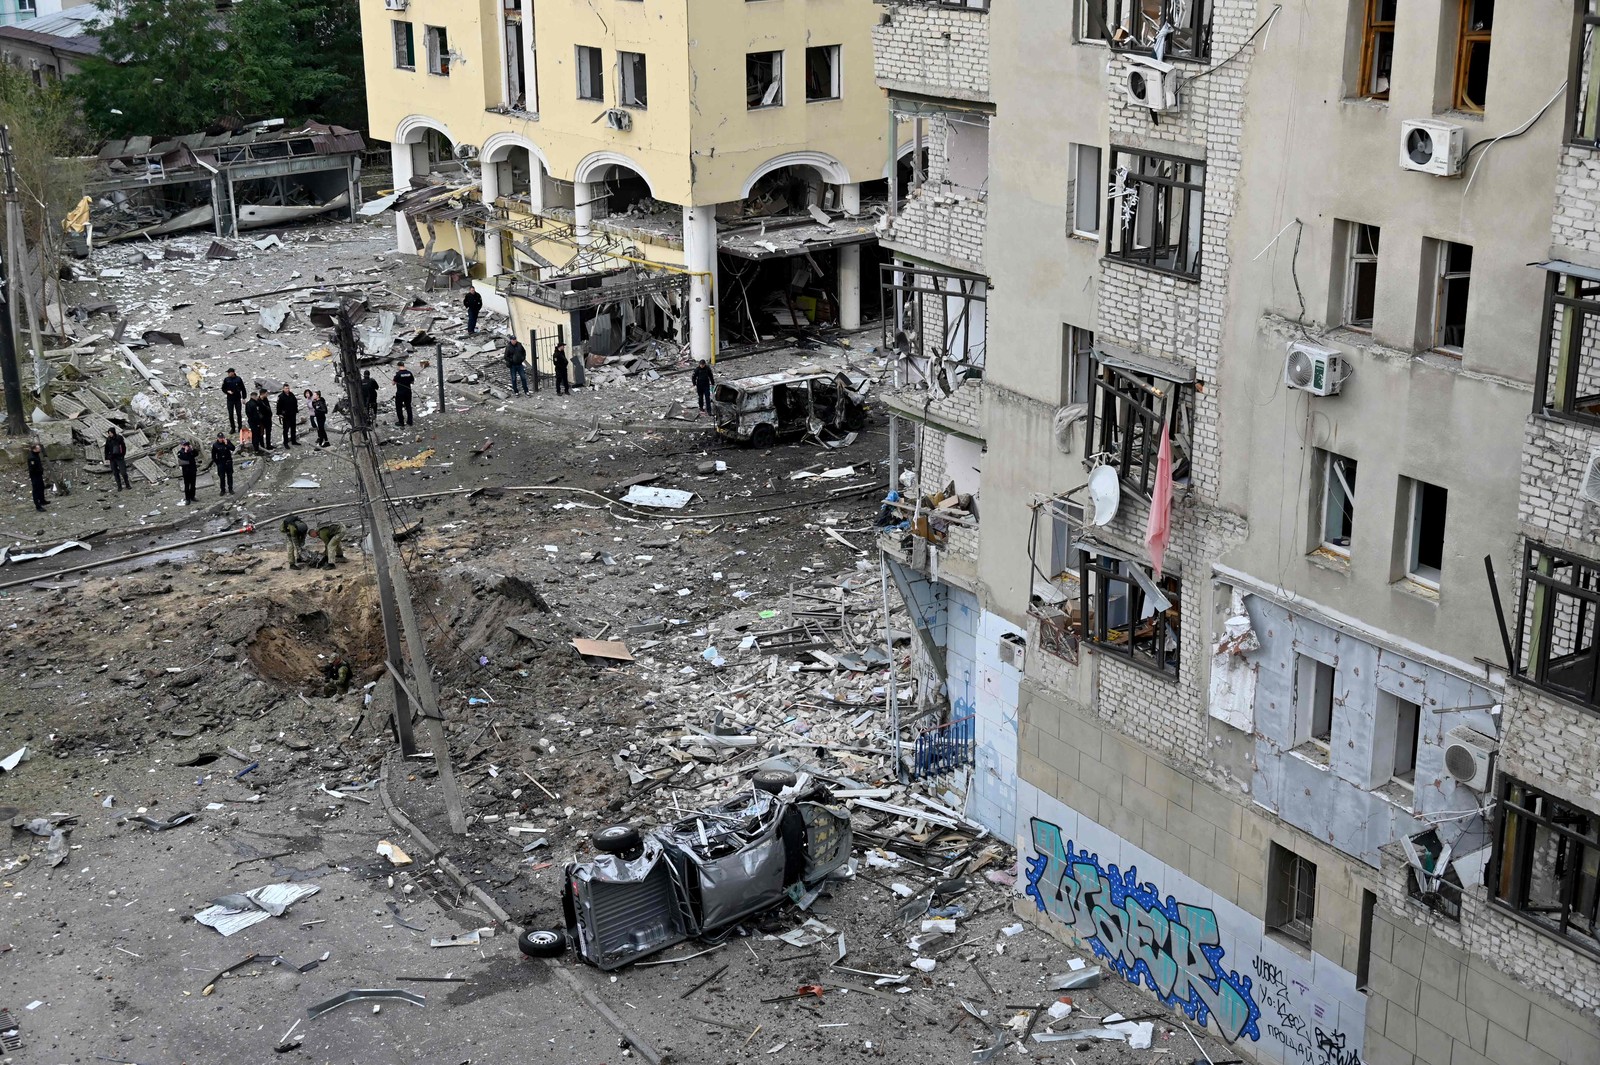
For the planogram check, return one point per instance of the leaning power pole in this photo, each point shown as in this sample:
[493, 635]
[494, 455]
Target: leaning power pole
[16, 422]
[394, 588]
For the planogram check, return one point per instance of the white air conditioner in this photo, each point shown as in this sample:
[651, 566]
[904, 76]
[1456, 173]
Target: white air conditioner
[1316, 370]
[617, 118]
[1013, 650]
[1589, 487]
[396, 5]
[1469, 757]
[1437, 148]
[1150, 83]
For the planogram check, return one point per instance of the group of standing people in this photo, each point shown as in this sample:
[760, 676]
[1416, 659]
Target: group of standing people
[258, 412]
[516, 360]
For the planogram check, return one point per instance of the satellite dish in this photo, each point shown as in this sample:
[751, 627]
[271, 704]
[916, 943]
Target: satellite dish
[1105, 491]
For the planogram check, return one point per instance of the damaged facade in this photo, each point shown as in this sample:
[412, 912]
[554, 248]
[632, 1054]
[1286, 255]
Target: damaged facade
[1290, 725]
[707, 174]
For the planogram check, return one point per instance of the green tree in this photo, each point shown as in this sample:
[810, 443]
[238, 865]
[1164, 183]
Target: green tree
[296, 59]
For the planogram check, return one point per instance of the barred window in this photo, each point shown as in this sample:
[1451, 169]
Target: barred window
[1176, 29]
[1155, 211]
[1126, 412]
[1556, 647]
[1546, 865]
[1125, 611]
[1569, 348]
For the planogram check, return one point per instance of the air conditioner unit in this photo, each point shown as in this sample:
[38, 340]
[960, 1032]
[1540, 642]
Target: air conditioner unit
[396, 5]
[1316, 370]
[1150, 83]
[617, 118]
[1013, 649]
[1589, 487]
[1428, 147]
[1469, 757]
[466, 152]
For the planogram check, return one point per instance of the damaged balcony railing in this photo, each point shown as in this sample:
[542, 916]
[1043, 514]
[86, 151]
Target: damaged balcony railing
[590, 290]
[943, 748]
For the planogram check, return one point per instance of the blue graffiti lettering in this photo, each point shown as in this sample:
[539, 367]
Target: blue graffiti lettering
[1173, 949]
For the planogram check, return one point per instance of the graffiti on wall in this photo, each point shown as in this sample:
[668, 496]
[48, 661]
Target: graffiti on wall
[1173, 949]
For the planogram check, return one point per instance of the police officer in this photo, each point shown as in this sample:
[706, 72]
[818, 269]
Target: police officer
[294, 535]
[188, 465]
[473, 302]
[369, 394]
[222, 459]
[289, 414]
[117, 456]
[319, 418]
[233, 389]
[703, 380]
[560, 358]
[36, 475]
[403, 380]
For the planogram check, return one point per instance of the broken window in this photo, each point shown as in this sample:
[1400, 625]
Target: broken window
[1338, 484]
[1085, 195]
[1452, 265]
[1584, 119]
[632, 90]
[1546, 864]
[1377, 49]
[822, 73]
[405, 46]
[1291, 894]
[763, 79]
[1569, 357]
[516, 72]
[1066, 527]
[437, 41]
[1360, 274]
[1125, 611]
[1404, 717]
[1472, 54]
[1155, 211]
[1127, 410]
[1166, 29]
[1556, 647]
[1077, 364]
[1314, 682]
[591, 76]
[1425, 532]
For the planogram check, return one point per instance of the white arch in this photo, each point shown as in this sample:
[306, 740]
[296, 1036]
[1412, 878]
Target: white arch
[590, 168]
[831, 169]
[905, 150]
[498, 143]
[409, 130]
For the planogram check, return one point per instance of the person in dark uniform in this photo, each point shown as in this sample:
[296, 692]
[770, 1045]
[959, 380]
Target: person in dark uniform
[252, 417]
[36, 475]
[560, 359]
[703, 380]
[369, 394]
[117, 456]
[517, 362]
[473, 303]
[294, 536]
[188, 465]
[289, 414]
[264, 411]
[222, 459]
[403, 380]
[233, 388]
[319, 418]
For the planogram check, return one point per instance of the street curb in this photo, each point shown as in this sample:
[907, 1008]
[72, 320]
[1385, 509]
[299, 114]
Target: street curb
[434, 854]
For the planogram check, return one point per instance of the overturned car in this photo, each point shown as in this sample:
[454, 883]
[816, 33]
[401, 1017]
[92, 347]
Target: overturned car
[645, 892]
[765, 409]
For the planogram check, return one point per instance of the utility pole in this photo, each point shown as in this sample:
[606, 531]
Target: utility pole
[16, 423]
[394, 588]
[17, 252]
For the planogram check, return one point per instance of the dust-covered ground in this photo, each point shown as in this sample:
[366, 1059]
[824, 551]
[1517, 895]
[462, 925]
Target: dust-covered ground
[190, 678]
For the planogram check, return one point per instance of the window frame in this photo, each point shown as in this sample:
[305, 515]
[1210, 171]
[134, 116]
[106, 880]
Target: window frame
[777, 78]
[1443, 279]
[1097, 18]
[1519, 803]
[596, 72]
[1144, 176]
[1373, 28]
[1348, 486]
[1291, 885]
[436, 43]
[1416, 498]
[1354, 261]
[1116, 390]
[1404, 737]
[1466, 39]
[1540, 593]
[1583, 108]
[1578, 304]
[640, 99]
[837, 66]
[1098, 576]
[1085, 196]
[410, 43]
[1077, 365]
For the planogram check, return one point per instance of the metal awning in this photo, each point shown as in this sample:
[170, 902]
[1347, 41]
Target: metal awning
[1556, 266]
[793, 236]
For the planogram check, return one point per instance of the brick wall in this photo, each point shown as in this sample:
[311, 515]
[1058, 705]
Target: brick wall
[1553, 460]
[1576, 226]
[1552, 745]
[942, 220]
[934, 51]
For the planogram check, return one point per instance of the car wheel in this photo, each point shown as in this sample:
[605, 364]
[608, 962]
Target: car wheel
[621, 840]
[543, 942]
[763, 436]
[774, 780]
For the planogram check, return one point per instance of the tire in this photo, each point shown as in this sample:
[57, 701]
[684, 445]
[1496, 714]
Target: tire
[774, 780]
[543, 942]
[763, 436]
[621, 840]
